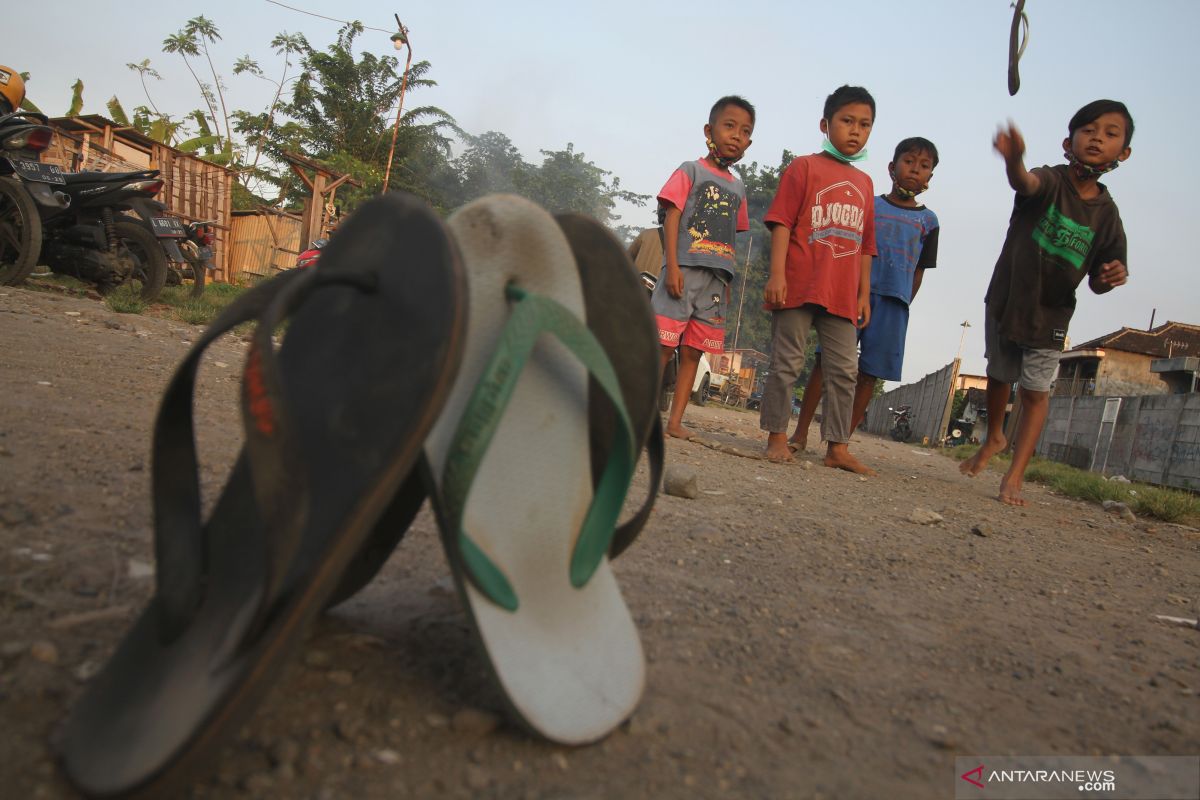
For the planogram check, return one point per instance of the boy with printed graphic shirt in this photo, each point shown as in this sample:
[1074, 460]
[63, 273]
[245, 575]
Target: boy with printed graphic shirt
[1064, 226]
[822, 224]
[705, 206]
[906, 236]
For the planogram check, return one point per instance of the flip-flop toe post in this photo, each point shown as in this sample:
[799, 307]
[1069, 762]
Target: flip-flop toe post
[525, 529]
[335, 420]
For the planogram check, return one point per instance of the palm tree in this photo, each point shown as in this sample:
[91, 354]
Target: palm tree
[285, 45]
[185, 44]
[143, 69]
[202, 30]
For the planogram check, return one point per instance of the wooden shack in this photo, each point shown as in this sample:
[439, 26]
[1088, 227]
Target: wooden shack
[194, 189]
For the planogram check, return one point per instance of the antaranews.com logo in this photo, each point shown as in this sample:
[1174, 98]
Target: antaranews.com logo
[1072, 777]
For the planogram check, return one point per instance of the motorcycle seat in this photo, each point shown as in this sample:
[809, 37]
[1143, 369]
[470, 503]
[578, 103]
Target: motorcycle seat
[109, 177]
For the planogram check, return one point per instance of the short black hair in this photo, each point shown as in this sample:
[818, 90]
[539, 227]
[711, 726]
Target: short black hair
[1098, 108]
[916, 144]
[730, 100]
[844, 96]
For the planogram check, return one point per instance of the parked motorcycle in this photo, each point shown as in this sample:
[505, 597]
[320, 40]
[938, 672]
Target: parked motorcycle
[26, 186]
[196, 248]
[308, 258]
[901, 427]
[113, 232]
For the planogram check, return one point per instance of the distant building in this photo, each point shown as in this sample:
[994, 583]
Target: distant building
[1132, 361]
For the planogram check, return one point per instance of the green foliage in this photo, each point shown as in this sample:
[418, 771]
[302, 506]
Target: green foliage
[1169, 505]
[959, 404]
[76, 98]
[125, 300]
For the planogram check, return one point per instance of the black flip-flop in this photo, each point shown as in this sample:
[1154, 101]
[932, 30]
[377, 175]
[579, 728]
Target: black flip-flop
[1016, 45]
[619, 315]
[335, 422]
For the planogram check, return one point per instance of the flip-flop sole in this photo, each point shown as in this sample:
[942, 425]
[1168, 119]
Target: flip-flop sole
[364, 377]
[568, 660]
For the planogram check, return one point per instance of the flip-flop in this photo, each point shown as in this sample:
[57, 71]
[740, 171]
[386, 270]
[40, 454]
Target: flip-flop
[619, 315]
[334, 422]
[524, 531]
[1016, 45]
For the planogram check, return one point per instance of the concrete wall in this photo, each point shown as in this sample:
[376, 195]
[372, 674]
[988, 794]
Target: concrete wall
[1149, 438]
[930, 398]
[1123, 374]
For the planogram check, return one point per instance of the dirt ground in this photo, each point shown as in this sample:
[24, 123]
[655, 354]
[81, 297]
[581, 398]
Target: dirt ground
[806, 636]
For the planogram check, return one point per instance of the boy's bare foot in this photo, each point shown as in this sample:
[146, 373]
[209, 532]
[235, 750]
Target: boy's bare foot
[677, 431]
[1010, 491]
[838, 456]
[777, 448]
[975, 464]
[798, 444]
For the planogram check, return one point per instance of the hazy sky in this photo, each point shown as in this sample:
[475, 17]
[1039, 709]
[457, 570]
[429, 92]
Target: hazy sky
[630, 83]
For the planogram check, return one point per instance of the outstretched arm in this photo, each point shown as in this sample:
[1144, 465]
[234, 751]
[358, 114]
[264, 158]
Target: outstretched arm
[1010, 144]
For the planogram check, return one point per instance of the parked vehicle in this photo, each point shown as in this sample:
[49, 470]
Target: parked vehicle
[309, 257]
[198, 253]
[113, 232]
[901, 427]
[26, 185]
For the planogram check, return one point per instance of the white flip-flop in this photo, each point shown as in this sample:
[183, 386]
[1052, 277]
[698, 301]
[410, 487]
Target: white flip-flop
[511, 480]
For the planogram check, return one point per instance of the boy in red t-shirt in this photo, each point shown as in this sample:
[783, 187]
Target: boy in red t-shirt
[822, 224]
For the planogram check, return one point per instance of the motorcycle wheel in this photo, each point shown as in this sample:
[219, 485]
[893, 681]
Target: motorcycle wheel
[150, 271]
[700, 396]
[901, 433]
[20, 232]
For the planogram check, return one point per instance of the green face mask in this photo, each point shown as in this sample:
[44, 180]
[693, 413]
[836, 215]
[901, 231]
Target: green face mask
[828, 147]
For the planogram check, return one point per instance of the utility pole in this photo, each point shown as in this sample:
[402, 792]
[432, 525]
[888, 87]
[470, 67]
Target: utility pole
[399, 40]
[737, 328]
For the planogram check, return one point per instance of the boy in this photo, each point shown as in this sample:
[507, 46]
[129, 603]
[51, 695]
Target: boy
[705, 207]
[906, 235]
[822, 239]
[1064, 225]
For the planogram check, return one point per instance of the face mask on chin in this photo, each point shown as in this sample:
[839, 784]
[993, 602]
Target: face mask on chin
[722, 162]
[827, 146]
[1085, 171]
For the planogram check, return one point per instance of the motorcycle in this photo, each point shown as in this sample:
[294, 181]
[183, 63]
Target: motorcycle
[196, 247]
[309, 257]
[26, 186]
[901, 427]
[113, 232]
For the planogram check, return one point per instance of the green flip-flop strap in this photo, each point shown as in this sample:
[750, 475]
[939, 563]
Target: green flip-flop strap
[531, 316]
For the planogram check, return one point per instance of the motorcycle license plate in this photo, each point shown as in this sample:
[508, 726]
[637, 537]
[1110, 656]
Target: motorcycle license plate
[37, 171]
[168, 227]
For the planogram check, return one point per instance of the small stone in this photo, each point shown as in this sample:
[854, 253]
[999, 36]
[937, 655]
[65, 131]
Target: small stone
[805, 465]
[473, 722]
[73, 313]
[140, 569]
[680, 481]
[924, 516]
[44, 651]
[317, 659]
[1128, 515]
[561, 762]
[389, 757]
[981, 529]
[340, 677]
[87, 670]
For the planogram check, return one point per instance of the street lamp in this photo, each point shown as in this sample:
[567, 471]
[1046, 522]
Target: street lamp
[399, 40]
[964, 325]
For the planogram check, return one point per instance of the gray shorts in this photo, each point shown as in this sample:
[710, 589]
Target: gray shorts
[1033, 368]
[695, 319]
